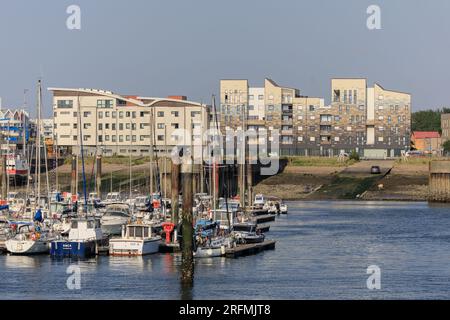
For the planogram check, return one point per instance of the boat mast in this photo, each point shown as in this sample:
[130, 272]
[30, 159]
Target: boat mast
[129, 151]
[38, 147]
[82, 157]
[151, 149]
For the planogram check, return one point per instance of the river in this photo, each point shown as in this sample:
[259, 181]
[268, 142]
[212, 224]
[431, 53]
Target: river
[323, 251]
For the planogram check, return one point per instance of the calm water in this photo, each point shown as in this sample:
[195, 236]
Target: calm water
[323, 251]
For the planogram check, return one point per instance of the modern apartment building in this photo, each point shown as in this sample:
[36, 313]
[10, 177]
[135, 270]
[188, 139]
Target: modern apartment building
[374, 121]
[15, 128]
[120, 124]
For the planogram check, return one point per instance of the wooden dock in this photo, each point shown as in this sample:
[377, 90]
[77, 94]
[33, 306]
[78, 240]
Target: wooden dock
[249, 249]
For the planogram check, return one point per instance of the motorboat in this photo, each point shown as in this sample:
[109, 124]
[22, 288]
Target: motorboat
[115, 216]
[244, 235]
[137, 239]
[210, 241]
[85, 236]
[113, 197]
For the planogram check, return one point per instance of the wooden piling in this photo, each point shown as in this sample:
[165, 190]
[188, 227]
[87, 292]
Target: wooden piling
[98, 180]
[175, 185]
[187, 253]
[74, 175]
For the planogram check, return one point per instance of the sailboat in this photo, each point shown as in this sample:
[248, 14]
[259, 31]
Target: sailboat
[32, 237]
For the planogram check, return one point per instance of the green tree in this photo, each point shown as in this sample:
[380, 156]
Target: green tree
[446, 146]
[427, 120]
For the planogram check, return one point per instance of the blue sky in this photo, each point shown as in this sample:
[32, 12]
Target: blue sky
[183, 47]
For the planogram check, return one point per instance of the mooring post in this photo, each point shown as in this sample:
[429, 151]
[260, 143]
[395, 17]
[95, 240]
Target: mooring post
[187, 264]
[74, 174]
[4, 178]
[250, 183]
[99, 176]
[175, 184]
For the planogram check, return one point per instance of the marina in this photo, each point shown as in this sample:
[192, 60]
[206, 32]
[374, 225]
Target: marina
[323, 250]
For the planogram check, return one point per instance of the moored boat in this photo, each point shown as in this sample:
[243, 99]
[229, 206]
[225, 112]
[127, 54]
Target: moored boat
[137, 239]
[85, 236]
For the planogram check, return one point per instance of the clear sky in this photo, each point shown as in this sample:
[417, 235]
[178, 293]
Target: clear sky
[184, 47]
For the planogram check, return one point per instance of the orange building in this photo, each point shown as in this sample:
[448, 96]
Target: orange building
[427, 141]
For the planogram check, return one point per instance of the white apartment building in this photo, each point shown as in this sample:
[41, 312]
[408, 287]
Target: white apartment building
[113, 124]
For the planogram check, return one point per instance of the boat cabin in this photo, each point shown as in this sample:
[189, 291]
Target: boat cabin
[137, 231]
[85, 229]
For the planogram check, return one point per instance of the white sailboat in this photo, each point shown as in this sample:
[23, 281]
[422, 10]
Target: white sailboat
[31, 238]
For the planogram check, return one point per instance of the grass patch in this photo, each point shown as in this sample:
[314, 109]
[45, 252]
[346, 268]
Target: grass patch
[347, 187]
[319, 162]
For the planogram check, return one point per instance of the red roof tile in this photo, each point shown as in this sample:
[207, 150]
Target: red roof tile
[426, 134]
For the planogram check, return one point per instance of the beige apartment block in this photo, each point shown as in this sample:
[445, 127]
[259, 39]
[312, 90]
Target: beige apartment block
[372, 121]
[114, 124]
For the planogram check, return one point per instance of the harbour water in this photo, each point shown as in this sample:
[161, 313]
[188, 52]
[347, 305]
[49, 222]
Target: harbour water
[323, 250]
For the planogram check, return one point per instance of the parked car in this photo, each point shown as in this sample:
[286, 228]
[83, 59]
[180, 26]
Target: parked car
[375, 170]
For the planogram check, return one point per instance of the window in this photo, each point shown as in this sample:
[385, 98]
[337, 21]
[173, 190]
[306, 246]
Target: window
[380, 139]
[86, 125]
[251, 97]
[106, 126]
[106, 138]
[300, 139]
[133, 114]
[261, 97]
[104, 103]
[65, 104]
[86, 114]
[100, 115]
[311, 108]
[194, 114]
[251, 108]
[175, 125]
[336, 139]
[127, 138]
[133, 138]
[160, 137]
[113, 126]
[337, 118]
[75, 114]
[100, 138]
[86, 137]
[114, 114]
[337, 95]
[300, 128]
[127, 126]
[120, 126]
[300, 117]
[160, 125]
[128, 114]
[121, 103]
[100, 126]
[269, 118]
[175, 113]
[160, 114]
[326, 118]
[349, 128]
[113, 138]
[270, 107]
[75, 125]
[312, 139]
[107, 114]
[120, 138]
[133, 126]
[75, 138]
[121, 115]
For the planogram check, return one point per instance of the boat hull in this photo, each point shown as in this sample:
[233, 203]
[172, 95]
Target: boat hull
[130, 247]
[73, 249]
[27, 247]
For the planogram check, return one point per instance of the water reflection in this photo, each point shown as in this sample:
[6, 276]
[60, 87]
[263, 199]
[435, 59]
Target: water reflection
[21, 262]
